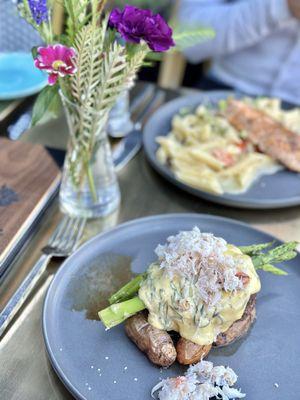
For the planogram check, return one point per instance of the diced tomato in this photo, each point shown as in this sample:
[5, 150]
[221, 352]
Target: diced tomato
[243, 145]
[222, 155]
[243, 277]
[246, 146]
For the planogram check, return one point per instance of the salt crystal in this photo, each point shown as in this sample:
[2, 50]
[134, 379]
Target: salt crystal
[115, 381]
[106, 358]
[276, 385]
[135, 379]
[125, 368]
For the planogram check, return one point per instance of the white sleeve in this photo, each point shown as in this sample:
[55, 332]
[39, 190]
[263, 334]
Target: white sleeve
[237, 24]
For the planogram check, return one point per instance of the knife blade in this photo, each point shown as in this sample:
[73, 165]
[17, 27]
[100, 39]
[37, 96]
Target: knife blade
[129, 146]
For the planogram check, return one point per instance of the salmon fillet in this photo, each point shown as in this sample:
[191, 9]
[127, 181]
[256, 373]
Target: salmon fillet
[270, 136]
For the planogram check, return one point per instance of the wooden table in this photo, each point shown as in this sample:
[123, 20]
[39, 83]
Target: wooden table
[25, 372]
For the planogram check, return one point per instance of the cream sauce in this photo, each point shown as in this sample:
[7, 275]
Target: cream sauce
[174, 304]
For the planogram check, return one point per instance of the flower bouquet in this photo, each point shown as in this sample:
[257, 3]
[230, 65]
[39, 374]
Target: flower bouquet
[94, 61]
[88, 68]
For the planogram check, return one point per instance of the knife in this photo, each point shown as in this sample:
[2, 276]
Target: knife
[141, 100]
[129, 146]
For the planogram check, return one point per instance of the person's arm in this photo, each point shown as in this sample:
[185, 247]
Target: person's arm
[237, 25]
[294, 6]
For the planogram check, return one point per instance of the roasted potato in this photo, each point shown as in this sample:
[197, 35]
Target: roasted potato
[159, 347]
[157, 344]
[189, 352]
[240, 327]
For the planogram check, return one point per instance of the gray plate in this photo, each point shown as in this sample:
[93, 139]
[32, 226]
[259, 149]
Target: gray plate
[270, 191]
[78, 346]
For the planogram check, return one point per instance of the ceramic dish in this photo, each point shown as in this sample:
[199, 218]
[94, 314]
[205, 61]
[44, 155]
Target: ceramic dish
[19, 77]
[98, 364]
[279, 190]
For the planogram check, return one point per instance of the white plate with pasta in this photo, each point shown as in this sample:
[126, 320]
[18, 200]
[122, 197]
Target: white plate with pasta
[190, 143]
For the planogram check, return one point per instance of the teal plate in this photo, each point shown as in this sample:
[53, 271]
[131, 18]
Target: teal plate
[19, 77]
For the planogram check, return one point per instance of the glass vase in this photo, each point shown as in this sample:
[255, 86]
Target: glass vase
[119, 121]
[89, 185]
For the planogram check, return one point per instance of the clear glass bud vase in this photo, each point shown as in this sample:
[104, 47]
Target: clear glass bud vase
[89, 185]
[119, 121]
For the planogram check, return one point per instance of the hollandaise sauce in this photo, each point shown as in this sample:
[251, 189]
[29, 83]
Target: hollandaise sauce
[202, 296]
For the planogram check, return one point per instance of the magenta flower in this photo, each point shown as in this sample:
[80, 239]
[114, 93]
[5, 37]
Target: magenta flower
[135, 25]
[57, 60]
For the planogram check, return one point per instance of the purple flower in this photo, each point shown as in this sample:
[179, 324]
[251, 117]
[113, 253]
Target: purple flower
[135, 25]
[39, 10]
[57, 60]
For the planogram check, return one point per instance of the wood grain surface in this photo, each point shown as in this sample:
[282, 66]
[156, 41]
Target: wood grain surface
[28, 174]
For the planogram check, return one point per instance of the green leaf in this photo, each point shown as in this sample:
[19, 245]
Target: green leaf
[47, 104]
[272, 269]
[34, 52]
[152, 56]
[191, 36]
[62, 39]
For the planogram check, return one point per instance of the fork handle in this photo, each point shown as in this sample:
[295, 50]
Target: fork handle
[23, 291]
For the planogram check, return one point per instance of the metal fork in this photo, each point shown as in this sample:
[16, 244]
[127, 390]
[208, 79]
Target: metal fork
[61, 244]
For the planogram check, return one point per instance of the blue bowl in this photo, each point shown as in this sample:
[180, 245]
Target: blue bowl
[19, 77]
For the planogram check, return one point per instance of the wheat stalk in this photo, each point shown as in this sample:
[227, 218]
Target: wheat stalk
[104, 70]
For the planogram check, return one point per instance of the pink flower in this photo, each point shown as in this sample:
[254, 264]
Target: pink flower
[57, 60]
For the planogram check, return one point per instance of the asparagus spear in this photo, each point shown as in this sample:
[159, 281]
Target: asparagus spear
[260, 260]
[255, 249]
[284, 252]
[273, 270]
[119, 312]
[127, 291]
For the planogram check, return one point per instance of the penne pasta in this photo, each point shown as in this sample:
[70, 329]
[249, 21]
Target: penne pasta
[206, 152]
[207, 183]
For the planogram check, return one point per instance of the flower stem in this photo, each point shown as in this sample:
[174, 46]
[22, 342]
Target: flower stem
[91, 181]
[119, 312]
